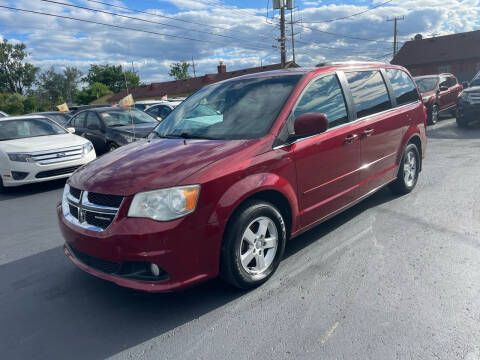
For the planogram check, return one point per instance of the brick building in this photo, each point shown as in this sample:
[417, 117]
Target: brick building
[458, 54]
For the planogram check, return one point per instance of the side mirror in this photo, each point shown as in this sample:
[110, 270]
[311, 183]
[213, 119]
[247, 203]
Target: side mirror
[71, 130]
[159, 118]
[465, 84]
[309, 124]
[443, 88]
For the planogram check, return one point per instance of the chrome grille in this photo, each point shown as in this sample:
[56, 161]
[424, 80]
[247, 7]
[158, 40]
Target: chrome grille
[57, 155]
[90, 210]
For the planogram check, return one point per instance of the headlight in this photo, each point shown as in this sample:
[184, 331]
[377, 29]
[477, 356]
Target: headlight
[464, 96]
[87, 148]
[165, 204]
[20, 157]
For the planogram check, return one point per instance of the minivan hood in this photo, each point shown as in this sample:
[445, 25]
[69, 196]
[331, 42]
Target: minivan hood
[151, 164]
[41, 143]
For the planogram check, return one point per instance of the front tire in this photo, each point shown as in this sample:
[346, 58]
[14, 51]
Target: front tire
[253, 245]
[408, 171]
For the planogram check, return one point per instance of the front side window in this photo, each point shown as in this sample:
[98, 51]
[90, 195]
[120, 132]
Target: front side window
[93, 122]
[79, 120]
[325, 96]
[113, 118]
[369, 92]
[403, 87]
[235, 109]
[25, 128]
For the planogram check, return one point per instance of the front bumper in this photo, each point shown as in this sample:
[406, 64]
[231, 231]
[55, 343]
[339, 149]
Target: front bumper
[468, 110]
[185, 252]
[34, 169]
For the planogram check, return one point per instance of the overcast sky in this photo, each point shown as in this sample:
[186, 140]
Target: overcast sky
[241, 33]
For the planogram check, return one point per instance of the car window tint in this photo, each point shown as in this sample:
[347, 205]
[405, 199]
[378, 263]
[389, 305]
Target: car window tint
[93, 120]
[324, 95]
[452, 81]
[403, 87]
[79, 120]
[369, 92]
[163, 111]
[443, 82]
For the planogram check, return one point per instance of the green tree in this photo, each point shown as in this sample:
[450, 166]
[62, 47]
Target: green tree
[16, 75]
[179, 70]
[92, 93]
[112, 76]
[53, 85]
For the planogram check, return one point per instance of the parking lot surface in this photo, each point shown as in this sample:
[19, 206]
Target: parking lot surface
[391, 278]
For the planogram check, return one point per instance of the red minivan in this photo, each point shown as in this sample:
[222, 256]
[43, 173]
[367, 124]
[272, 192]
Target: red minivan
[239, 168]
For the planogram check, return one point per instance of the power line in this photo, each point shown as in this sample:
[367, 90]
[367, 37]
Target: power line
[139, 19]
[349, 16]
[122, 27]
[169, 17]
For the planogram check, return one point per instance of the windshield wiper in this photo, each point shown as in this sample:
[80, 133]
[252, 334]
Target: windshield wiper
[187, 136]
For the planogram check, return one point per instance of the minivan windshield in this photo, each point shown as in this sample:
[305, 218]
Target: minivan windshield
[236, 109]
[25, 128]
[427, 84]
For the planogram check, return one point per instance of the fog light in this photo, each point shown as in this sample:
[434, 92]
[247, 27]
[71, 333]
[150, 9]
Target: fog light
[154, 269]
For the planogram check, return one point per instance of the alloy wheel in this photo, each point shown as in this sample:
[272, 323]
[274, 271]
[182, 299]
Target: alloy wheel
[410, 168]
[258, 245]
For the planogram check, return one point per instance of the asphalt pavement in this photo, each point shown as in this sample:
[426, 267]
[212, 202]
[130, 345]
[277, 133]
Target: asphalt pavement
[391, 278]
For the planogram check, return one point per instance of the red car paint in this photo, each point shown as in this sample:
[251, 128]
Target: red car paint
[318, 177]
[444, 98]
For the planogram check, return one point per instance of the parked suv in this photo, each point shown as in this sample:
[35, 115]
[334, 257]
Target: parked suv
[468, 104]
[219, 192]
[439, 94]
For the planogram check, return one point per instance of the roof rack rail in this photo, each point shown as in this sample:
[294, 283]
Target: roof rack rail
[331, 63]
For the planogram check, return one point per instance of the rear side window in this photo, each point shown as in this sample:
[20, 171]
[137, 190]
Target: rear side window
[403, 87]
[369, 92]
[325, 96]
[79, 120]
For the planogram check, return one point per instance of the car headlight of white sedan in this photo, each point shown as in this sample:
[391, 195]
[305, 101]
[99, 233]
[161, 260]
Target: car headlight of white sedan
[20, 157]
[87, 148]
[165, 204]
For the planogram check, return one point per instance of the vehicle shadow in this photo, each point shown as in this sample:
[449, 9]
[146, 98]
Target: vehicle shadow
[450, 130]
[52, 310]
[31, 189]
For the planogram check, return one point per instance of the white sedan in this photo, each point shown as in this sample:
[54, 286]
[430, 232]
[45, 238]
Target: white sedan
[35, 148]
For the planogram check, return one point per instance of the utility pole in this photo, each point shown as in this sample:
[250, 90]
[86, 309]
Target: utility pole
[293, 40]
[193, 66]
[283, 54]
[395, 20]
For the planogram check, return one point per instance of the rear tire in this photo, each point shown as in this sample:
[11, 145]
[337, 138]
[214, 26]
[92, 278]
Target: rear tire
[253, 245]
[408, 171]
[433, 115]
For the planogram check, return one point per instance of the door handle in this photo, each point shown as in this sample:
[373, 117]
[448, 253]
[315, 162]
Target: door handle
[350, 139]
[367, 132]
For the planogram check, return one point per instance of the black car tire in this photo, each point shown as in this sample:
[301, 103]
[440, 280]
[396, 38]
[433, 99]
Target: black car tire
[433, 115]
[231, 268]
[462, 122]
[401, 186]
[2, 188]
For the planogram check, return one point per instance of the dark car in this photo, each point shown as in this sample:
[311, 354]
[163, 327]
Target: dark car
[439, 94]
[468, 104]
[239, 168]
[77, 108]
[109, 128]
[59, 117]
